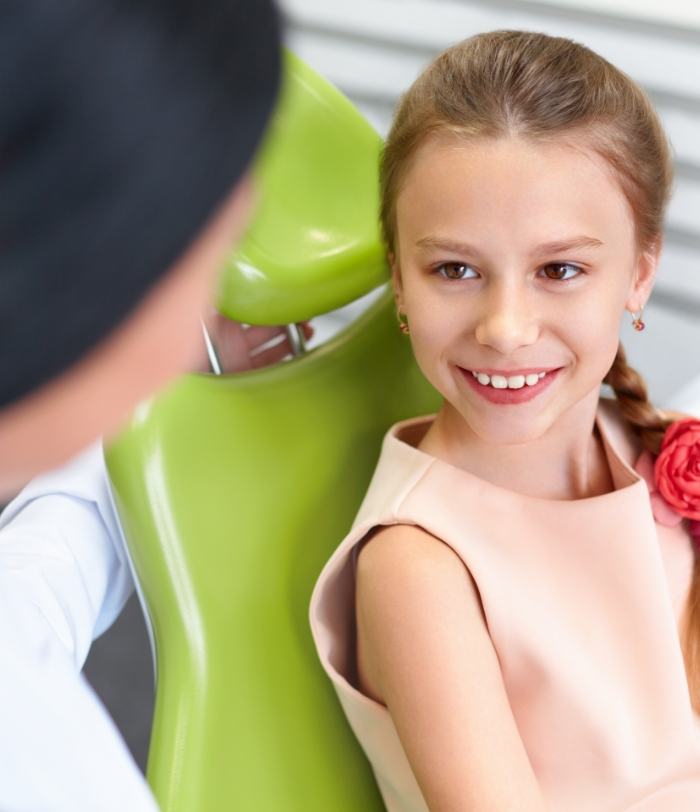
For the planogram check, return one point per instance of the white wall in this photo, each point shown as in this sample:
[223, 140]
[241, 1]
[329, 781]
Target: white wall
[373, 49]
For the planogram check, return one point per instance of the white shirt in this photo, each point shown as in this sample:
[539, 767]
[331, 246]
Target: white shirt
[64, 579]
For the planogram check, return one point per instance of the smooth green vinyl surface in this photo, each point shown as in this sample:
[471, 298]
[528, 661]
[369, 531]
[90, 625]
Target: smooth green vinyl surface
[314, 244]
[233, 492]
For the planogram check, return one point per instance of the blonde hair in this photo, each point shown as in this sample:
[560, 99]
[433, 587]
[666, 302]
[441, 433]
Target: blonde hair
[542, 87]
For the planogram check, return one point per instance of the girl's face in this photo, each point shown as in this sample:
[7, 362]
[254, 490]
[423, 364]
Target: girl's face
[515, 258]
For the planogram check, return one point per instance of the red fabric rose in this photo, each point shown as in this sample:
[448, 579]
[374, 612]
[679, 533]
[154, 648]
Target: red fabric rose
[677, 467]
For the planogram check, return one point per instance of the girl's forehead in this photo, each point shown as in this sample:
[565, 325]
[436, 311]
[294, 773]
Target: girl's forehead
[445, 156]
[454, 181]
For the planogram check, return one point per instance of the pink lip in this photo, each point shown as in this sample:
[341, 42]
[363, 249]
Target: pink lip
[509, 396]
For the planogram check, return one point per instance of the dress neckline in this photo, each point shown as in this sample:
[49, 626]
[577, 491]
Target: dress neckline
[616, 444]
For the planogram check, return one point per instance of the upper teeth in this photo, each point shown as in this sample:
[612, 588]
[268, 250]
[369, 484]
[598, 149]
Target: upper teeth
[512, 382]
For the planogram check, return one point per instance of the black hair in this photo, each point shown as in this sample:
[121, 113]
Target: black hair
[123, 124]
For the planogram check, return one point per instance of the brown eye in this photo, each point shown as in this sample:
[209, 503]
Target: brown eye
[560, 269]
[452, 270]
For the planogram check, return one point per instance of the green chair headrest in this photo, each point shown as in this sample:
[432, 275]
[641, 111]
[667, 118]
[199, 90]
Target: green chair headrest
[314, 244]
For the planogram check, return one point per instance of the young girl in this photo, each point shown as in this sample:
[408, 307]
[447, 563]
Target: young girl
[520, 629]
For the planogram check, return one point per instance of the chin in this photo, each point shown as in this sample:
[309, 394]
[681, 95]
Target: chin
[503, 428]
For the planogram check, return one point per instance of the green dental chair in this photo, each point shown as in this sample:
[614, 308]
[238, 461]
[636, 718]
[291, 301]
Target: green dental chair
[233, 491]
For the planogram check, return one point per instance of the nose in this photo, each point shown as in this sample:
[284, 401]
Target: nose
[508, 320]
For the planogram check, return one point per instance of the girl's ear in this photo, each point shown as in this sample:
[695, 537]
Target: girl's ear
[644, 276]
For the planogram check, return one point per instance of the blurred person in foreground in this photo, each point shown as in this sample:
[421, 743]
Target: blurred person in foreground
[127, 130]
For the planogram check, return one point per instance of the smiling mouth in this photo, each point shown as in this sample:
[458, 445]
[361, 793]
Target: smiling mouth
[513, 381]
[512, 389]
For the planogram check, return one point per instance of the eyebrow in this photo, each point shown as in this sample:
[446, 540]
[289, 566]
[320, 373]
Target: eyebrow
[553, 247]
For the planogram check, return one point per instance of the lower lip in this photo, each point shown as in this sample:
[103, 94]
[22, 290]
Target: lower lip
[510, 396]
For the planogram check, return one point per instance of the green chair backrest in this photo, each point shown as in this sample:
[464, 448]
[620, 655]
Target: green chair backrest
[233, 491]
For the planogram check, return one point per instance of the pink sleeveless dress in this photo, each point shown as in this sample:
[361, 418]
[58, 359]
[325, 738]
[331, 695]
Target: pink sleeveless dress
[582, 600]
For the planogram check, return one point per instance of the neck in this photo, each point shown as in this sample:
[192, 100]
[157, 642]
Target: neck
[567, 461]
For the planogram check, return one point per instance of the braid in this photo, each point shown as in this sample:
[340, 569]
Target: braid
[631, 392]
[650, 424]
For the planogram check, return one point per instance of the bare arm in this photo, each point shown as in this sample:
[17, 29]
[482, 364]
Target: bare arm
[424, 651]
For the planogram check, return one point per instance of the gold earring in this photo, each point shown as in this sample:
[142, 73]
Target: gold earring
[637, 322]
[403, 324]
